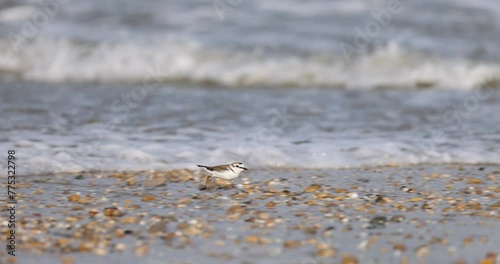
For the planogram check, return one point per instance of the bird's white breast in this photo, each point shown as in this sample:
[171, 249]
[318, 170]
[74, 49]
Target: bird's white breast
[225, 175]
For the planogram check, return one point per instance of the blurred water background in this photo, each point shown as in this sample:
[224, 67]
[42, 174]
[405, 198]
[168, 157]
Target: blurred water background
[128, 85]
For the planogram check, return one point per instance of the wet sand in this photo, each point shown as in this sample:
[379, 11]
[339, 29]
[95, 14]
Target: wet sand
[419, 214]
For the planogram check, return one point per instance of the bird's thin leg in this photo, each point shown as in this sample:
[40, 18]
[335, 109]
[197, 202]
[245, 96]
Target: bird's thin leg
[206, 183]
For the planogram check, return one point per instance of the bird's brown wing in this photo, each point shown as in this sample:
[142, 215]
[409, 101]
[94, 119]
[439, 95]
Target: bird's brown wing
[214, 168]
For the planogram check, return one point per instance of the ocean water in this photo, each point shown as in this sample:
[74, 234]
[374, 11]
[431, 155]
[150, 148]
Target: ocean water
[127, 85]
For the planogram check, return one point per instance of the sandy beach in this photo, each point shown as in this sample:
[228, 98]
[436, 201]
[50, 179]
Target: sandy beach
[419, 214]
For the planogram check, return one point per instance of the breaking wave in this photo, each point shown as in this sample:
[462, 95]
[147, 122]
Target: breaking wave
[174, 61]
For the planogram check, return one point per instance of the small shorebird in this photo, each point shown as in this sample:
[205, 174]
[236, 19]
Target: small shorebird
[225, 172]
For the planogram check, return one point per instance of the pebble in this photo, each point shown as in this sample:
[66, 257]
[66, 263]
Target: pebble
[148, 198]
[100, 251]
[474, 181]
[121, 247]
[112, 212]
[374, 198]
[252, 239]
[352, 195]
[397, 218]
[399, 247]
[407, 189]
[93, 212]
[348, 259]
[312, 188]
[157, 228]
[141, 250]
[263, 215]
[378, 221]
[422, 251]
[292, 243]
[325, 250]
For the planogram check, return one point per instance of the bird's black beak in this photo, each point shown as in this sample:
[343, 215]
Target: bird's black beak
[245, 168]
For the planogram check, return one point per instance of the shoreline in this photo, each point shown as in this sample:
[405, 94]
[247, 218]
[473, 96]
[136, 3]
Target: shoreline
[361, 215]
[194, 168]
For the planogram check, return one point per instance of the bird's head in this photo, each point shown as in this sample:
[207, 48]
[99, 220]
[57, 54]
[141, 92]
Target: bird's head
[238, 166]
